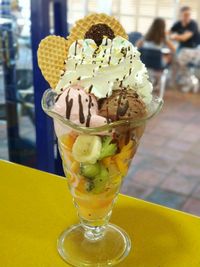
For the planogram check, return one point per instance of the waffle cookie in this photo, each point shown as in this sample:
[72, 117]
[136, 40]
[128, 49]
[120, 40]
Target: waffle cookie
[53, 50]
[82, 26]
[51, 54]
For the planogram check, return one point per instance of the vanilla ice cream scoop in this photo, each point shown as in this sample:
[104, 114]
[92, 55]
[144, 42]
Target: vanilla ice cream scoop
[74, 104]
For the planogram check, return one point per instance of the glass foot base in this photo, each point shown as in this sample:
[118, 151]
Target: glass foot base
[79, 251]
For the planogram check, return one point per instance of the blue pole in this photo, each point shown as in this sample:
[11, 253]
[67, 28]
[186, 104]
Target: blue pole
[60, 28]
[60, 18]
[45, 139]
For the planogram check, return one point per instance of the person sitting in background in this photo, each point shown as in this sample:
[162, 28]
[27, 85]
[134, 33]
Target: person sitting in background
[155, 38]
[185, 31]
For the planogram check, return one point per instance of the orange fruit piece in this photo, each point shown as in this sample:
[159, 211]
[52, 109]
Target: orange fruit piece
[123, 158]
[75, 168]
[106, 161]
[68, 140]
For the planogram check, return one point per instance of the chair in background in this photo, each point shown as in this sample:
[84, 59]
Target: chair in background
[134, 37]
[152, 58]
[188, 65]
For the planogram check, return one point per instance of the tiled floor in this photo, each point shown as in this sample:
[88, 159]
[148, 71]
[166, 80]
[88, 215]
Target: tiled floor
[166, 169]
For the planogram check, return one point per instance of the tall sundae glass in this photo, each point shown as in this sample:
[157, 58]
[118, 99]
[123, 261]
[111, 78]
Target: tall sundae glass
[100, 107]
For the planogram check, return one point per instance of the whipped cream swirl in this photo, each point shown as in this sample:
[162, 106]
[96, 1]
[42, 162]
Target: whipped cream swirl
[101, 69]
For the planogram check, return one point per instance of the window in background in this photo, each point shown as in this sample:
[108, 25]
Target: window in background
[92, 6]
[140, 13]
[128, 22]
[104, 6]
[194, 4]
[77, 9]
[135, 15]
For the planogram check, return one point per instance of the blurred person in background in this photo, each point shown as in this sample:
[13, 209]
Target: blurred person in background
[185, 31]
[156, 37]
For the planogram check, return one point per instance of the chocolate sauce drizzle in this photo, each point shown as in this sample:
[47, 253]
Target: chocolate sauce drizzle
[107, 109]
[109, 59]
[57, 97]
[75, 50]
[106, 42]
[69, 104]
[82, 60]
[95, 52]
[104, 53]
[89, 111]
[122, 107]
[81, 113]
[90, 89]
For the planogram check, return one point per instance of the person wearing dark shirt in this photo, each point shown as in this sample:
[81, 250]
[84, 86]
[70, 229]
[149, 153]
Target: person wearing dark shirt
[185, 31]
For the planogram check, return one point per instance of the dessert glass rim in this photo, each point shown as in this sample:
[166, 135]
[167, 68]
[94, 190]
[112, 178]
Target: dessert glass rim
[151, 112]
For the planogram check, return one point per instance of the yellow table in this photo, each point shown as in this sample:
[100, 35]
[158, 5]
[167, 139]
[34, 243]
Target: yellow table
[35, 207]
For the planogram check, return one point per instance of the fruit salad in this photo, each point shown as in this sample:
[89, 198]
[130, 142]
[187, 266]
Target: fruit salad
[94, 166]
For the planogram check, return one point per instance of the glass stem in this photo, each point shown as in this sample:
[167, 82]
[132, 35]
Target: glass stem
[95, 230]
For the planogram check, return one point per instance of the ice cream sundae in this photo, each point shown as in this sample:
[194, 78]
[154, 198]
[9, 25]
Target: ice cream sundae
[100, 102]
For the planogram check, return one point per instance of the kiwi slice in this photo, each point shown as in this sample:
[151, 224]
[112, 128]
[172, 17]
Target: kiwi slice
[100, 180]
[89, 186]
[90, 170]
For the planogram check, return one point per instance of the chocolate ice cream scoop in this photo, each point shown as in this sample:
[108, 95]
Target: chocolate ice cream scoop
[121, 105]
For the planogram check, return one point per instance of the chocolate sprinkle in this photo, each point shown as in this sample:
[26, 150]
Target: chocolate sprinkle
[98, 31]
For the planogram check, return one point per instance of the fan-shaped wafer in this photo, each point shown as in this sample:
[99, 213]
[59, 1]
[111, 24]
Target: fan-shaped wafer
[52, 52]
[83, 25]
